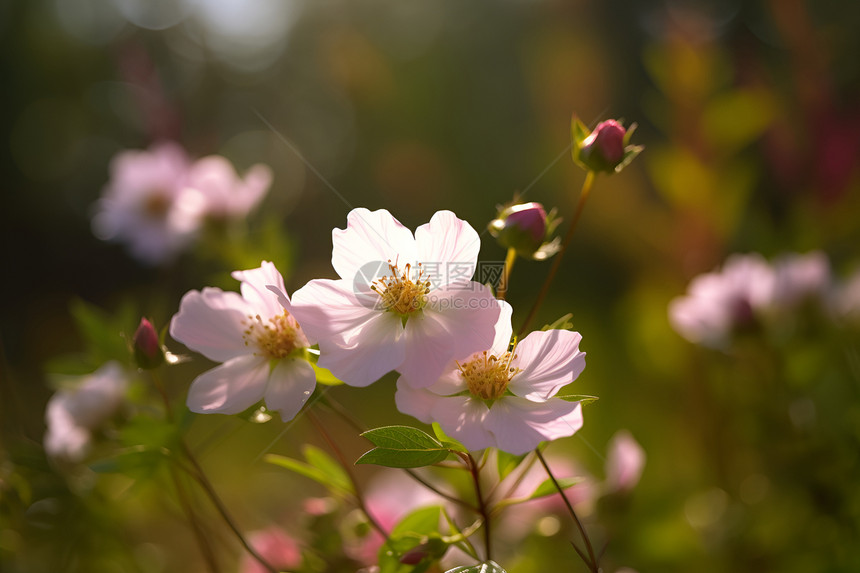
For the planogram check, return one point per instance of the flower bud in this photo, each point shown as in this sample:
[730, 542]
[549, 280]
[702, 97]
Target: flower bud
[148, 353]
[521, 227]
[605, 149]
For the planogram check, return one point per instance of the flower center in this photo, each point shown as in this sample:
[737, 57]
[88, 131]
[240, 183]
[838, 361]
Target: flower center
[156, 205]
[275, 338]
[487, 375]
[399, 293]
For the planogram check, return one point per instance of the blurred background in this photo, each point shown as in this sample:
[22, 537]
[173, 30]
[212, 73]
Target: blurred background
[749, 112]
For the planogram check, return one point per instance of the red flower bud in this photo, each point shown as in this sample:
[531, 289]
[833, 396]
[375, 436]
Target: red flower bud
[525, 228]
[604, 149]
[147, 349]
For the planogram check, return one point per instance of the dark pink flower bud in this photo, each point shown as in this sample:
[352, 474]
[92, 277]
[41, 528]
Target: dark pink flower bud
[147, 348]
[524, 228]
[604, 149]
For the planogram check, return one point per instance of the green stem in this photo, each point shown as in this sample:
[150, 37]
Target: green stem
[359, 497]
[506, 273]
[199, 475]
[590, 559]
[580, 205]
[482, 503]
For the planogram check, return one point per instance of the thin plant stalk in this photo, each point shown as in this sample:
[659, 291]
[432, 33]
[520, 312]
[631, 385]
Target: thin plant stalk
[200, 476]
[482, 503]
[590, 559]
[506, 273]
[359, 497]
[556, 263]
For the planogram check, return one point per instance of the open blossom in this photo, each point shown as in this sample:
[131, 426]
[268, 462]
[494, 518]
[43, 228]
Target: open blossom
[74, 413]
[720, 303]
[257, 340]
[225, 194]
[501, 397]
[403, 302]
[148, 205]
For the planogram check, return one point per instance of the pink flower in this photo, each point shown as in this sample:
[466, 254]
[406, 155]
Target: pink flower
[402, 302]
[147, 204]
[503, 398]
[256, 338]
[225, 194]
[74, 413]
[278, 549]
[624, 462]
[799, 279]
[719, 304]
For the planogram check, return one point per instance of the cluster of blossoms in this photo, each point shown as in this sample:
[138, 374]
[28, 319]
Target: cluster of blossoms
[81, 408]
[749, 293]
[157, 200]
[447, 336]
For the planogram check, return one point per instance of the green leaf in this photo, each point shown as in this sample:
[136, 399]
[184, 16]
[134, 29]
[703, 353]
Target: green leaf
[136, 461]
[417, 533]
[562, 323]
[402, 459]
[548, 488]
[329, 466]
[446, 440]
[488, 567]
[309, 471]
[325, 377]
[583, 399]
[402, 447]
[507, 463]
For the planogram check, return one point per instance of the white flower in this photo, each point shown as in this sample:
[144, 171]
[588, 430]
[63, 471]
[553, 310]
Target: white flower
[402, 303]
[147, 204]
[256, 339]
[74, 413]
[500, 397]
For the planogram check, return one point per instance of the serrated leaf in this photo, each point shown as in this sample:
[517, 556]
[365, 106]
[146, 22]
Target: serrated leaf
[308, 471]
[404, 438]
[402, 447]
[548, 488]
[488, 567]
[583, 399]
[402, 458]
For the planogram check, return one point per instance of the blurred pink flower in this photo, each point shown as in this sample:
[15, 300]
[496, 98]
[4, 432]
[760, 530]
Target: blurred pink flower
[74, 413]
[257, 340]
[800, 278]
[624, 463]
[719, 303]
[389, 497]
[501, 398]
[225, 194]
[147, 204]
[402, 302]
[278, 549]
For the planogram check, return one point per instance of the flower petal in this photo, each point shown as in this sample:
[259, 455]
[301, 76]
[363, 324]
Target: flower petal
[417, 402]
[329, 312]
[519, 425]
[456, 323]
[290, 385]
[464, 418]
[547, 361]
[254, 288]
[377, 349]
[229, 388]
[446, 240]
[370, 237]
[211, 322]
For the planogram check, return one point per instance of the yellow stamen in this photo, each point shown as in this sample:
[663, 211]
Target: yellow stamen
[487, 376]
[399, 293]
[274, 338]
